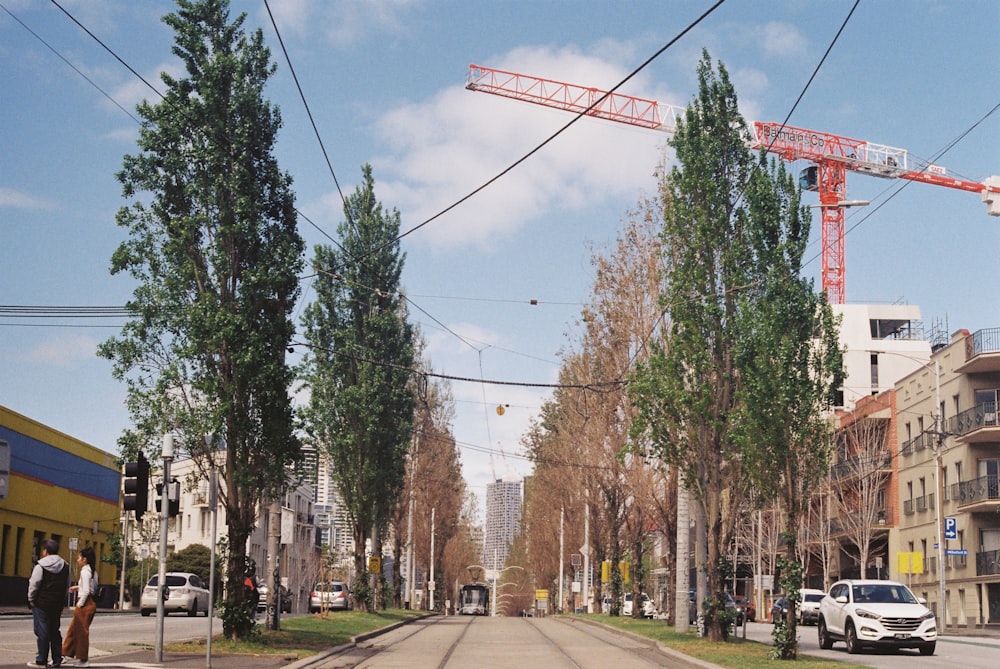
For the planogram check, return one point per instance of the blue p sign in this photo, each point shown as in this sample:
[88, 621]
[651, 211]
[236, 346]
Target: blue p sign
[951, 527]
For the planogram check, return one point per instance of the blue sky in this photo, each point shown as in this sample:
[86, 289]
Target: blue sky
[385, 83]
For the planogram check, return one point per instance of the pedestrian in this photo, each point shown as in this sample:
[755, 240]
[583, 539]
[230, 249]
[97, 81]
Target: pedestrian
[47, 590]
[77, 641]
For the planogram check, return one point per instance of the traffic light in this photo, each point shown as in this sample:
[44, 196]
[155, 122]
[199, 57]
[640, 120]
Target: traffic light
[173, 495]
[137, 486]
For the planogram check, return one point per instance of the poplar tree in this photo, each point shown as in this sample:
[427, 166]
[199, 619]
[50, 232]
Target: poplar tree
[213, 245]
[734, 396]
[358, 368]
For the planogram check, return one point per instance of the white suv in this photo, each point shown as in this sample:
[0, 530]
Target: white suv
[809, 605]
[875, 614]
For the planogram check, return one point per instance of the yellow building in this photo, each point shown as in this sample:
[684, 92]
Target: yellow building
[58, 488]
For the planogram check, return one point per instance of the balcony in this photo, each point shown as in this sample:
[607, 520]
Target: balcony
[976, 425]
[987, 563]
[857, 466]
[924, 440]
[980, 494]
[982, 352]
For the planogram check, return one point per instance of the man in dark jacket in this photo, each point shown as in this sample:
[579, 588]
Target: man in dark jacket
[47, 590]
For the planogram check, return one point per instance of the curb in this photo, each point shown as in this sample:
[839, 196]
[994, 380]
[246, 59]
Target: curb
[666, 650]
[321, 656]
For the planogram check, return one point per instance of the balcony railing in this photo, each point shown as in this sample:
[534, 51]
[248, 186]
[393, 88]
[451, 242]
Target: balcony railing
[979, 416]
[858, 466]
[984, 488]
[982, 341]
[987, 563]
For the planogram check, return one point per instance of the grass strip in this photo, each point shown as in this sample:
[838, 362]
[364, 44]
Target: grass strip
[734, 654]
[301, 636]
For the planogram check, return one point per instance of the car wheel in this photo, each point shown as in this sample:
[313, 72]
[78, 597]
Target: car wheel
[146, 612]
[825, 641]
[928, 648]
[851, 639]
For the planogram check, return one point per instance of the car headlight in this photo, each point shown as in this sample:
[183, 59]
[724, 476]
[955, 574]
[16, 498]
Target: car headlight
[927, 616]
[862, 613]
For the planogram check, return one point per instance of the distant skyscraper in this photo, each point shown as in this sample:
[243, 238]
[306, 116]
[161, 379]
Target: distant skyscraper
[503, 521]
[331, 517]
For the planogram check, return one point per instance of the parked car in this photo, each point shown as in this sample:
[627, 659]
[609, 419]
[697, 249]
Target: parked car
[808, 608]
[286, 597]
[745, 608]
[648, 609]
[730, 604]
[779, 609]
[187, 594]
[332, 595]
[875, 614]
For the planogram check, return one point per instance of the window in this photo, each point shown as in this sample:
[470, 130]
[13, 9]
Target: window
[3, 549]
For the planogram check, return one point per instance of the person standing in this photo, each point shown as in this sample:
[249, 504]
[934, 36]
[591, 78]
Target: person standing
[77, 641]
[47, 590]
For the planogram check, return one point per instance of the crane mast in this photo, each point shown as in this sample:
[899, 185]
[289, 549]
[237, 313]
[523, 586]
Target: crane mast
[833, 155]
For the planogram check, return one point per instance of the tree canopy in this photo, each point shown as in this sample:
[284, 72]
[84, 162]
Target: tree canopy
[213, 245]
[359, 365]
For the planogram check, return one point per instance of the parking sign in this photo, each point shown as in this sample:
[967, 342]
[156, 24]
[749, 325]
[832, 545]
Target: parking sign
[951, 527]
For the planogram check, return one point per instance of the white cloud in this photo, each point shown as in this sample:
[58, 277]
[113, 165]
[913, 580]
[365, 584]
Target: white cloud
[781, 39]
[343, 23]
[443, 148]
[66, 351]
[15, 199]
[130, 93]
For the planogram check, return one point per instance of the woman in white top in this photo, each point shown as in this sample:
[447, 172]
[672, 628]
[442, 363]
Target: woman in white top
[77, 641]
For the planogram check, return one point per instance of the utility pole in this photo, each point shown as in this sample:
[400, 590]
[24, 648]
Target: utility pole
[431, 585]
[274, 573]
[562, 517]
[586, 555]
[939, 430]
[681, 622]
[121, 584]
[161, 580]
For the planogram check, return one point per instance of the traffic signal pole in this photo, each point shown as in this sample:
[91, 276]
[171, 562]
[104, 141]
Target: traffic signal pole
[161, 580]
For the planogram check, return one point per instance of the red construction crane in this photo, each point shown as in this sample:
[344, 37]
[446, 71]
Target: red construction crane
[832, 155]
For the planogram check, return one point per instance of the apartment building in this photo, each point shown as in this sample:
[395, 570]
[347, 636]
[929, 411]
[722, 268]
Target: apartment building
[949, 460]
[503, 521]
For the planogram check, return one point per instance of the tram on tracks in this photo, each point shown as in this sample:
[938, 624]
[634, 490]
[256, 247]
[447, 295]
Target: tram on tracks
[474, 600]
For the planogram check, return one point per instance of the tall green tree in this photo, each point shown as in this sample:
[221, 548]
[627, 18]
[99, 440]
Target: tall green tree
[214, 247]
[358, 367]
[687, 392]
[735, 397]
[790, 365]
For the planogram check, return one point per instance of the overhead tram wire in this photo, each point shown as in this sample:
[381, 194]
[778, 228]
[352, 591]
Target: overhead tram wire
[756, 167]
[597, 386]
[897, 188]
[75, 68]
[144, 81]
[565, 127]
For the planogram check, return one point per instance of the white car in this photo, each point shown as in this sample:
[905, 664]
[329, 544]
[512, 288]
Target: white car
[648, 609]
[875, 614]
[187, 594]
[330, 595]
[808, 608]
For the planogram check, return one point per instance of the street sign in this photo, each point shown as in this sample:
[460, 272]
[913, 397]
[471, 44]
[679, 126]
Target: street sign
[951, 527]
[956, 551]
